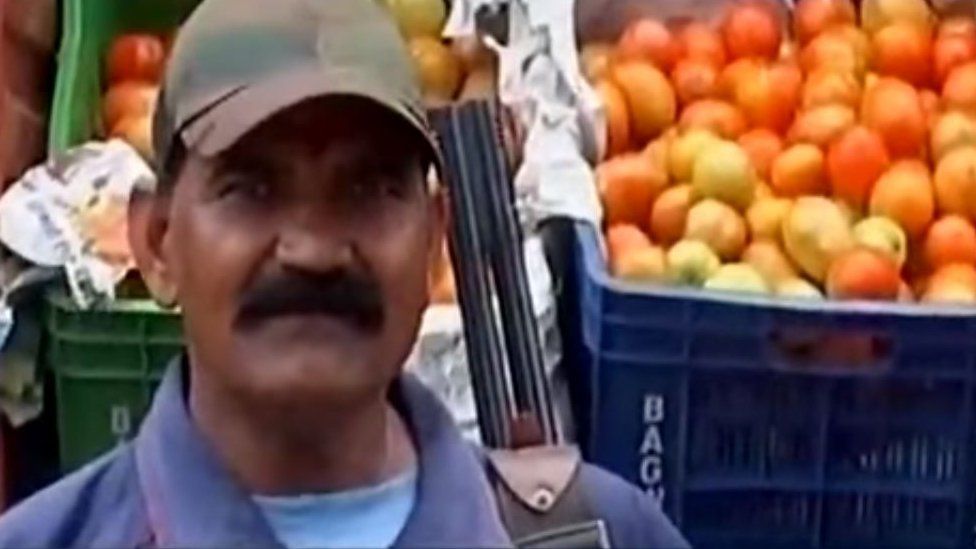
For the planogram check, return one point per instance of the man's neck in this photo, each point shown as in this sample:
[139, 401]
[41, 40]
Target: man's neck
[303, 449]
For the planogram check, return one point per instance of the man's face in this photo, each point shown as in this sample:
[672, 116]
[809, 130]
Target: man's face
[300, 256]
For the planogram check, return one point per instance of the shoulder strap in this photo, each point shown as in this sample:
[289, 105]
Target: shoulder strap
[541, 500]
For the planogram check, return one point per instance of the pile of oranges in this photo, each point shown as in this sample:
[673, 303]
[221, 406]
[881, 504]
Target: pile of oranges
[828, 153]
[448, 70]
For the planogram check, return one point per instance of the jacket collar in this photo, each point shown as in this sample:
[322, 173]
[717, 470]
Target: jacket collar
[192, 500]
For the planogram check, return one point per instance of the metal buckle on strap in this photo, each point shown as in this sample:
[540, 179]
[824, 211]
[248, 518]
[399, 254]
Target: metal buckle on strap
[585, 535]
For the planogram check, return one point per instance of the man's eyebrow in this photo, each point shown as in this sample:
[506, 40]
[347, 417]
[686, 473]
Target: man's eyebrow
[247, 161]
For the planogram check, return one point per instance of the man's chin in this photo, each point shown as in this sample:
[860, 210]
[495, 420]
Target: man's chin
[313, 363]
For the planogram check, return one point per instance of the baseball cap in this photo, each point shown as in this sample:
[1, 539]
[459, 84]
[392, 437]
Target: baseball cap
[236, 63]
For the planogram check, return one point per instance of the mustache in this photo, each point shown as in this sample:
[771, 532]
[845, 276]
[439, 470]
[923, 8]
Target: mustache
[354, 298]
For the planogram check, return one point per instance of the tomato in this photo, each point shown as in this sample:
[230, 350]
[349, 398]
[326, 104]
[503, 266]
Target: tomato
[128, 100]
[136, 57]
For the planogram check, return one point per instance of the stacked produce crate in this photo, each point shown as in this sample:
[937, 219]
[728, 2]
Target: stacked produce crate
[780, 343]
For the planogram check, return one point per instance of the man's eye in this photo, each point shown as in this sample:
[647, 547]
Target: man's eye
[243, 186]
[381, 182]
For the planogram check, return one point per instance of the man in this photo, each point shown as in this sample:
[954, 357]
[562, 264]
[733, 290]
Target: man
[294, 227]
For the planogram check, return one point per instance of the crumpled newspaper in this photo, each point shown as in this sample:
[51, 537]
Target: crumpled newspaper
[66, 218]
[540, 81]
[440, 361]
[71, 213]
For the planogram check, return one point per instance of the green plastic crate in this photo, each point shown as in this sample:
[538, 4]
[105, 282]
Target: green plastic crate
[106, 365]
[87, 32]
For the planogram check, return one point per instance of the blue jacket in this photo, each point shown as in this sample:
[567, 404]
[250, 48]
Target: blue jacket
[166, 488]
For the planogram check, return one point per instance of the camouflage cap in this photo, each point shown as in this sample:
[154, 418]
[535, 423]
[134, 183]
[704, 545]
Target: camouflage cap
[236, 63]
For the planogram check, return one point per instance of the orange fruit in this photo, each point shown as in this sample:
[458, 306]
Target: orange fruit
[699, 41]
[855, 161]
[955, 182]
[618, 117]
[769, 97]
[128, 100]
[751, 29]
[669, 214]
[595, 59]
[859, 41]
[643, 264]
[624, 237]
[628, 185]
[815, 231]
[812, 17]
[438, 68]
[136, 131]
[951, 239]
[959, 89]
[767, 257]
[799, 171]
[658, 151]
[952, 129]
[877, 14]
[648, 40]
[765, 217]
[694, 79]
[832, 52]
[418, 17]
[684, 151]
[825, 86]
[719, 117]
[650, 98]
[734, 73]
[722, 170]
[631, 254]
[949, 52]
[959, 273]
[904, 51]
[821, 125]
[719, 226]
[951, 292]
[954, 283]
[863, 273]
[762, 146]
[904, 194]
[893, 109]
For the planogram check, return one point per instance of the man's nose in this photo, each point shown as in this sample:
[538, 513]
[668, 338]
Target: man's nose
[312, 238]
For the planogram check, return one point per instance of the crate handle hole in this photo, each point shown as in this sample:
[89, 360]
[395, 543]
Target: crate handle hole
[844, 351]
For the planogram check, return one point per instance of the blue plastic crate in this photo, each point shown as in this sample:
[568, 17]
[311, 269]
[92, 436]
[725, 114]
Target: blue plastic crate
[769, 422]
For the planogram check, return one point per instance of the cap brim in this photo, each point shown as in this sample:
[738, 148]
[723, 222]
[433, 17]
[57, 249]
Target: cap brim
[230, 118]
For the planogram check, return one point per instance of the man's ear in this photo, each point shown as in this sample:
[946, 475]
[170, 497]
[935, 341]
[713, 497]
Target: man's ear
[148, 225]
